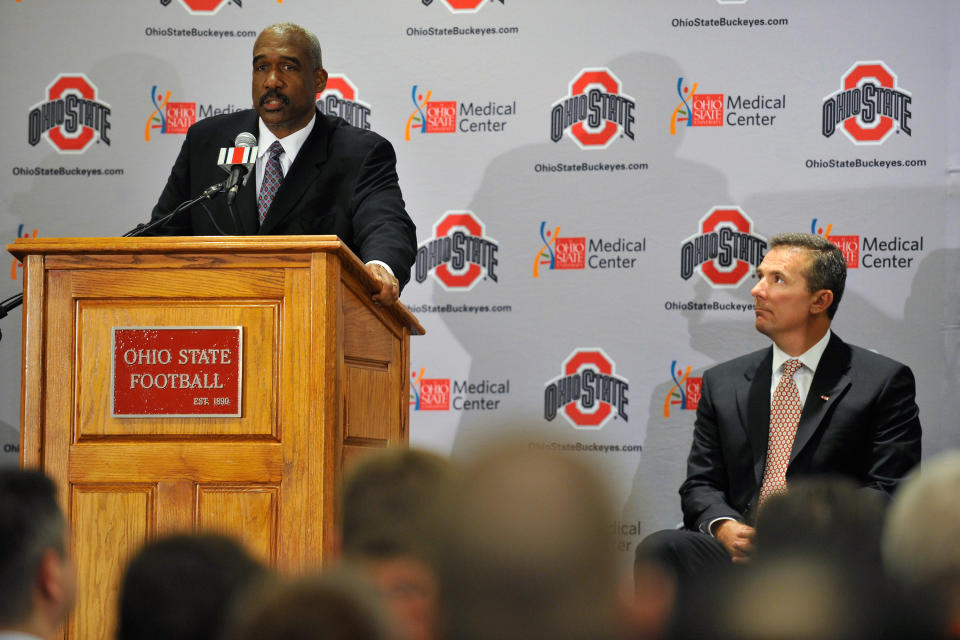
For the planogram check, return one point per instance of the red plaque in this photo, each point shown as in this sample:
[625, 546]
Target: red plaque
[177, 372]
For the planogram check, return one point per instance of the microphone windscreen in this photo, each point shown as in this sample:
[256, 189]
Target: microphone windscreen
[245, 139]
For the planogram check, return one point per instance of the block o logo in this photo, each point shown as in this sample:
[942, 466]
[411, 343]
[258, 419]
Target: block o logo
[870, 105]
[588, 393]
[726, 251]
[342, 85]
[339, 98]
[464, 6]
[72, 116]
[204, 7]
[885, 78]
[460, 254]
[594, 112]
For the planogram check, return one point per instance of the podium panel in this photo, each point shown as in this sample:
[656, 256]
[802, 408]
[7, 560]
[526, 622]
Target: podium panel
[323, 375]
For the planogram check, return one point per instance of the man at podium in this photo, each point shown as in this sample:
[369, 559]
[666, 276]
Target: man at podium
[314, 174]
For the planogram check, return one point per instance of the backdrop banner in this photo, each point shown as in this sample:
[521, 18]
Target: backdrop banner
[593, 185]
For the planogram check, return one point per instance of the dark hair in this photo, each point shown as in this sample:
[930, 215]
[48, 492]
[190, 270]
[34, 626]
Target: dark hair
[827, 515]
[828, 268]
[387, 501]
[336, 605]
[184, 587]
[31, 523]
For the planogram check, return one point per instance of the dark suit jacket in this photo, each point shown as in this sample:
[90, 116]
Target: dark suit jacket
[867, 429]
[343, 182]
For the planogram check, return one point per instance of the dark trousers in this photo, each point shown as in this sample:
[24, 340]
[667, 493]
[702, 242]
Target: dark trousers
[692, 557]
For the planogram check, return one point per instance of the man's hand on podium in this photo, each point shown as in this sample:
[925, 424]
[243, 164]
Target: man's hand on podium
[389, 286]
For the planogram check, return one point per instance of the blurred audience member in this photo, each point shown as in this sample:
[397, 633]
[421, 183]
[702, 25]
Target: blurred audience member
[524, 551]
[387, 500]
[921, 541]
[827, 516]
[334, 606]
[816, 573]
[183, 587]
[37, 576]
[795, 597]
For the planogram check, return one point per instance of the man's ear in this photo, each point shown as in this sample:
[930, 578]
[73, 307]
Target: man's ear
[50, 577]
[821, 301]
[336, 546]
[320, 79]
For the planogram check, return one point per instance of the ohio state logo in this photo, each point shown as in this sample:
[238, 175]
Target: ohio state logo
[595, 112]
[588, 392]
[203, 7]
[72, 117]
[870, 106]
[339, 98]
[726, 251]
[464, 6]
[459, 254]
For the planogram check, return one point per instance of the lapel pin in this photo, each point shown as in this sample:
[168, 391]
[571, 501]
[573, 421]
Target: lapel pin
[824, 398]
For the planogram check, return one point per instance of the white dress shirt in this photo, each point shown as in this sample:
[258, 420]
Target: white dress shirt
[804, 375]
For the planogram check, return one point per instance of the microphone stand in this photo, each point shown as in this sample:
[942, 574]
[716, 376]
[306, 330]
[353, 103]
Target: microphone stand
[141, 228]
[9, 305]
[14, 301]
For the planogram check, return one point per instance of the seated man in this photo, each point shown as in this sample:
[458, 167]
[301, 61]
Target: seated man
[809, 404]
[37, 579]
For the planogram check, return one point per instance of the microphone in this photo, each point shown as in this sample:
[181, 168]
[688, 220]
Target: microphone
[239, 161]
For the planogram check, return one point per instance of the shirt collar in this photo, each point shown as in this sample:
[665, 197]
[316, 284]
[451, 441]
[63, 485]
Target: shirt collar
[810, 358]
[291, 144]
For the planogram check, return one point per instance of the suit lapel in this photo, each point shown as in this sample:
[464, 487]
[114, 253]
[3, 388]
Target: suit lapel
[754, 397]
[303, 172]
[829, 383]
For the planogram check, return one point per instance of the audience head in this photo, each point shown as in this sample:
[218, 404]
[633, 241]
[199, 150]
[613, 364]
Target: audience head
[388, 500]
[337, 605]
[794, 597]
[37, 578]
[183, 587]
[828, 516]
[921, 541]
[524, 550]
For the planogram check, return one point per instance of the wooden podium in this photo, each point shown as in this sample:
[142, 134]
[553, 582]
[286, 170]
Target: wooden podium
[324, 375]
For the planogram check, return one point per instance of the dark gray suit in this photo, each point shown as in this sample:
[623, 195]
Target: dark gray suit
[342, 182]
[860, 420]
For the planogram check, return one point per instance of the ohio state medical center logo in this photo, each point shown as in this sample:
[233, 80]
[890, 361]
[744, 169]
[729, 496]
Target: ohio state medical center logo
[71, 117]
[595, 112]
[460, 254]
[870, 106]
[726, 251]
[339, 98]
[588, 391]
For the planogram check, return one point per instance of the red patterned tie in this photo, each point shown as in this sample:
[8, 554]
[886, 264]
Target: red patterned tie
[272, 175]
[784, 417]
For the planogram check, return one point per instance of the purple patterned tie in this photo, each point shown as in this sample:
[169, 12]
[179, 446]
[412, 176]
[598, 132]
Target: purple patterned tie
[272, 175]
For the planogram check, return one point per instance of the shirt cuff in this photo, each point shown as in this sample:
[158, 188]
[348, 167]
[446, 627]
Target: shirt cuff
[384, 265]
[708, 526]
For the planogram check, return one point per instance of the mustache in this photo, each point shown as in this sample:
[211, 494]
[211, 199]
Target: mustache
[274, 94]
